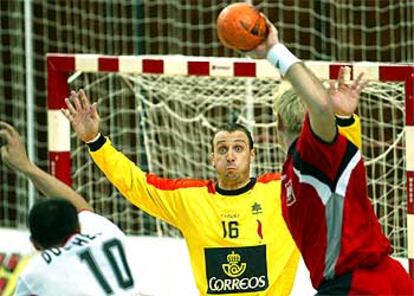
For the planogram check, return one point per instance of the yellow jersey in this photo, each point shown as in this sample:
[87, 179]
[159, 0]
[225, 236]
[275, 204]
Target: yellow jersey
[238, 241]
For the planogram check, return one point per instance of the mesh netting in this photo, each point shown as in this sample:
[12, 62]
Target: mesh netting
[334, 30]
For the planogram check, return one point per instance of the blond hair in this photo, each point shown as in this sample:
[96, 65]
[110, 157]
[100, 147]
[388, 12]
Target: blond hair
[289, 107]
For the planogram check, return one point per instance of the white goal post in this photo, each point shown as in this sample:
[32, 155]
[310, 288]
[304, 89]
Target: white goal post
[160, 110]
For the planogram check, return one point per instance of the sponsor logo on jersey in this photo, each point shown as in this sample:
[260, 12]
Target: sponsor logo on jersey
[234, 267]
[257, 208]
[236, 270]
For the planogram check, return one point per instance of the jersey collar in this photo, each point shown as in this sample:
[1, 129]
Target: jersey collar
[239, 191]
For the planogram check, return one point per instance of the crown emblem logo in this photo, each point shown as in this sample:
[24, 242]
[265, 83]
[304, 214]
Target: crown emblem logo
[233, 258]
[234, 268]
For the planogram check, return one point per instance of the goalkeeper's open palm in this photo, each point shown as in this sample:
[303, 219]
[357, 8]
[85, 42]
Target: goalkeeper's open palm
[345, 97]
[82, 115]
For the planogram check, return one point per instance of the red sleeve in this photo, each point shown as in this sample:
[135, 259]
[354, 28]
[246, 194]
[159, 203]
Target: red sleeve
[326, 157]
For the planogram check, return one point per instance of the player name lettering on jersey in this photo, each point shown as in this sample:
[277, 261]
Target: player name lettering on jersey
[226, 216]
[79, 240]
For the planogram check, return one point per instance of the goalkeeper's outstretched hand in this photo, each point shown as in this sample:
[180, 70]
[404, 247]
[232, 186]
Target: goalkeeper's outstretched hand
[82, 115]
[346, 94]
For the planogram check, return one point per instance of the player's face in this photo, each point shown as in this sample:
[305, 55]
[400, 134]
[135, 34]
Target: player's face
[231, 158]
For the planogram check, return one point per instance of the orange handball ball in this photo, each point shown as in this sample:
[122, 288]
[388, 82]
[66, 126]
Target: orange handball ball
[240, 26]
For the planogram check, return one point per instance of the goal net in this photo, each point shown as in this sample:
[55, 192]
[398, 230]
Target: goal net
[314, 30]
[161, 111]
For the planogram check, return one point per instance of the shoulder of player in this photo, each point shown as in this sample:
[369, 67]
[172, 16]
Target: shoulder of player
[269, 177]
[187, 183]
[174, 184]
[31, 270]
[93, 223]
[310, 142]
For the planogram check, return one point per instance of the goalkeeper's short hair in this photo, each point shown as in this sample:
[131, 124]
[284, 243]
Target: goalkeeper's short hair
[232, 127]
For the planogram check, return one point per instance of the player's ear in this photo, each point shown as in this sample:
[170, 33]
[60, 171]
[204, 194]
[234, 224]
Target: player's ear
[78, 228]
[252, 154]
[279, 123]
[36, 245]
[213, 163]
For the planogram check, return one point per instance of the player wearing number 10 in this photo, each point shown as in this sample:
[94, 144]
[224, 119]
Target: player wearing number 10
[81, 253]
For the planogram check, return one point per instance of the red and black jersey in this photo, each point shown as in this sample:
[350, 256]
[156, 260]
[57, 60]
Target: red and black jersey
[326, 206]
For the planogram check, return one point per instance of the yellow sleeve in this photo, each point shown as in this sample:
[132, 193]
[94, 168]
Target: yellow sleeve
[132, 182]
[351, 129]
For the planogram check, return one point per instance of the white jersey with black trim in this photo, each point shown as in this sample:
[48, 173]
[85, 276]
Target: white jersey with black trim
[93, 262]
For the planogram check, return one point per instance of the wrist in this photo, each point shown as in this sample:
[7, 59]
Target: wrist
[96, 143]
[344, 120]
[93, 139]
[281, 57]
[344, 116]
[28, 169]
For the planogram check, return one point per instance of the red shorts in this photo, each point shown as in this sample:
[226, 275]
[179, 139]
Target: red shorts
[388, 277]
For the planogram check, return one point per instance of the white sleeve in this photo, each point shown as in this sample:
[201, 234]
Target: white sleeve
[92, 223]
[21, 288]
